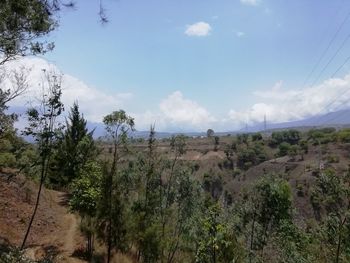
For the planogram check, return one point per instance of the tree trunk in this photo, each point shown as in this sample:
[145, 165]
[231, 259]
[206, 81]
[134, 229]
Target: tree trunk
[42, 179]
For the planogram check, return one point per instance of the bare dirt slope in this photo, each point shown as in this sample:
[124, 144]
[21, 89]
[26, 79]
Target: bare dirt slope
[55, 231]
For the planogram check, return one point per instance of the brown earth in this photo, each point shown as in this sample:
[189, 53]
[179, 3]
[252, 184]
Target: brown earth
[55, 231]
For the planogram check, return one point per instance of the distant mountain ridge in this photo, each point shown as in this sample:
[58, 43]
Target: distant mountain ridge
[335, 119]
[338, 119]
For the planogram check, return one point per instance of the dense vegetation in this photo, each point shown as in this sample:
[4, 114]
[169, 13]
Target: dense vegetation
[158, 206]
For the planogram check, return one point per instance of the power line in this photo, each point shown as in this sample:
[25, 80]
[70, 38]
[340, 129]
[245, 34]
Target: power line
[331, 59]
[340, 95]
[329, 44]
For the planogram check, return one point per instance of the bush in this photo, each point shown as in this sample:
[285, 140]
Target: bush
[290, 136]
[322, 136]
[283, 149]
[344, 135]
[293, 151]
[257, 136]
[253, 155]
[7, 160]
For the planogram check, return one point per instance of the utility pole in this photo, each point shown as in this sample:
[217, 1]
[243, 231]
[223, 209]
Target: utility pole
[264, 122]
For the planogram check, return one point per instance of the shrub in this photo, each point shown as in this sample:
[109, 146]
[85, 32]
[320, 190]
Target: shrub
[289, 136]
[257, 136]
[344, 135]
[283, 149]
[7, 160]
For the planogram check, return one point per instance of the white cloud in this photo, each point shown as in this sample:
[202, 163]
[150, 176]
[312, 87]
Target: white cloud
[199, 29]
[281, 105]
[176, 113]
[240, 34]
[251, 2]
[178, 109]
[94, 103]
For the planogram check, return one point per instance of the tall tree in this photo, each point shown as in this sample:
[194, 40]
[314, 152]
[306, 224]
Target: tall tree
[45, 128]
[118, 124]
[76, 148]
[146, 204]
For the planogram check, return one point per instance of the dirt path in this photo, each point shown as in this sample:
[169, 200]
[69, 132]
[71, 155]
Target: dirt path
[69, 233]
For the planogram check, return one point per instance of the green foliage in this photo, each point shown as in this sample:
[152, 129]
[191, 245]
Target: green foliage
[178, 144]
[283, 149]
[7, 160]
[86, 190]
[293, 151]
[146, 207]
[113, 203]
[329, 192]
[251, 155]
[257, 137]
[322, 136]
[292, 243]
[84, 199]
[6, 120]
[330, 197]
[344, 135]
[216, 242]
[75, 149]
[288, 136]
[117, 125]
[13, 254]
[276, 199]
[23, 24]
[262, 211]
[44, 127]
[242, 138]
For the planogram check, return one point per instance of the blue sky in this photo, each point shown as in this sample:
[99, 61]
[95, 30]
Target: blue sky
[223, 71]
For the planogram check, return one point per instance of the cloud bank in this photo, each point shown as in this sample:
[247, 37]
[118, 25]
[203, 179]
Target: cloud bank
[93, 102]
[281, 105]
[176, 112]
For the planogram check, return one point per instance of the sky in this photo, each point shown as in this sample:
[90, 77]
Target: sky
[190, 65]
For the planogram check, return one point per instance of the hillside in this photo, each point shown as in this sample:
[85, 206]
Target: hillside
[55, 232]
[191, 173]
